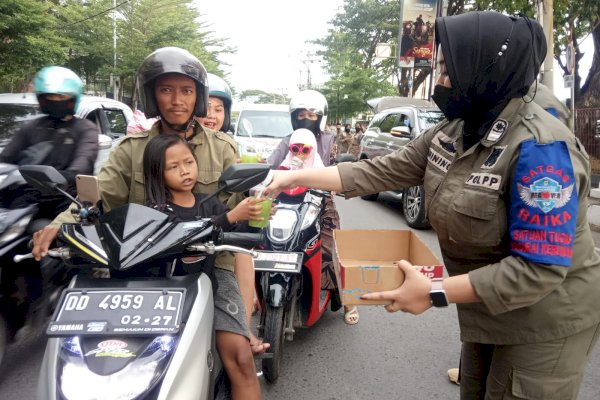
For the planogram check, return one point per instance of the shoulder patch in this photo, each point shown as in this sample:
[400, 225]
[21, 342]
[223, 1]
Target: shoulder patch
[544, 204]
[499, 127]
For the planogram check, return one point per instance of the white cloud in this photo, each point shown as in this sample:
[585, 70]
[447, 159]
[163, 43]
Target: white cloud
[270, 37]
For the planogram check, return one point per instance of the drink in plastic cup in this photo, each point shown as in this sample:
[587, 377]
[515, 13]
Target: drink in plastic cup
[266, 205]
[249, 157]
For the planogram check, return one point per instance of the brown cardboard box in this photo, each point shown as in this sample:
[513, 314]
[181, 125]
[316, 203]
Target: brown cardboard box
[364, 261]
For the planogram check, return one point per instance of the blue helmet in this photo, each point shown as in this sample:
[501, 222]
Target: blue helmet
[58, 80]
[217, 87]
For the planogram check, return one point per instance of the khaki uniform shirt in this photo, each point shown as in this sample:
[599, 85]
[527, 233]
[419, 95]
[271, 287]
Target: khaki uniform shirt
[468, 200]
[121, 178]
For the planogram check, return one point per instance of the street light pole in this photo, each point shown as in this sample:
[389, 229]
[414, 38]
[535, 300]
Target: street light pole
[547, 19]
[114, 80]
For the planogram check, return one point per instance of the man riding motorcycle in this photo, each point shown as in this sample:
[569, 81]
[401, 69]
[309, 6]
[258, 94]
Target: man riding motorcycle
[58, 139]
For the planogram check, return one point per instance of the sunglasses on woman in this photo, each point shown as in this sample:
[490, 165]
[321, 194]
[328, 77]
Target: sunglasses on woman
[300, 148]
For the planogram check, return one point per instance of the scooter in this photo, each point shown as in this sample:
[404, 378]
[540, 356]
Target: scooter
[291, 299]
[19, 314]
[144, 332]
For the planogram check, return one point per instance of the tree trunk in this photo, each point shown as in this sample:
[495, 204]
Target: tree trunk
[590, 91]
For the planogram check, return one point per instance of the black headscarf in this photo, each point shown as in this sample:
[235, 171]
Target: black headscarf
[491, 58]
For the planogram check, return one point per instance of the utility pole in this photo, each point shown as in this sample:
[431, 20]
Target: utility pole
[115, 80]
[546, 17]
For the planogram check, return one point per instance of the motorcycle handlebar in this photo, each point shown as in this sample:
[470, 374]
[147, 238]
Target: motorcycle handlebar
[61, 252]
[240, 239]
[322, 193]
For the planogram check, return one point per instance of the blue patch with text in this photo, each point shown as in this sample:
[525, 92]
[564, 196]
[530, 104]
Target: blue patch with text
[544, 204]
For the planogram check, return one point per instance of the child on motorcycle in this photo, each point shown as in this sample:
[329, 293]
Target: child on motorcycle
[170, 174]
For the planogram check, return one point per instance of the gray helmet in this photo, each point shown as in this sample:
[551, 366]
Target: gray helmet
[217, 87]
[312, 101]
[171, 60]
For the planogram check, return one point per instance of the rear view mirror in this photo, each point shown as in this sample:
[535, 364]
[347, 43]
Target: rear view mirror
[242, 177]
[43, 177]
[401, 131]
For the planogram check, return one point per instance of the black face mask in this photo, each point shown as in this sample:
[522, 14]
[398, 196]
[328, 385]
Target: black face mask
[306, 124]
[57, 109]
[450, 102]
[347, 130]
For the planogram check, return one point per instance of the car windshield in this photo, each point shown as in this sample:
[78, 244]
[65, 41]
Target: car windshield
[13, 115]
[428, 118]
[264, 123]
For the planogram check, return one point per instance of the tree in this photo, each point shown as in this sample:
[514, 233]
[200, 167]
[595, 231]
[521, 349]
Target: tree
[261, 97]
[27, 41]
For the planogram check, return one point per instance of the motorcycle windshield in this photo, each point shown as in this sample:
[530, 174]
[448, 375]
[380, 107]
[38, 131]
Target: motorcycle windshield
[132, 235]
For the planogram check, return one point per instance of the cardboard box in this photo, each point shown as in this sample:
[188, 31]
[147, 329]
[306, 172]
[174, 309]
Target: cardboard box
[364, 261]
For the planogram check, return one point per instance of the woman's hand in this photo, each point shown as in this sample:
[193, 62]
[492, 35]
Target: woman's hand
[281, 180]
[412, 296]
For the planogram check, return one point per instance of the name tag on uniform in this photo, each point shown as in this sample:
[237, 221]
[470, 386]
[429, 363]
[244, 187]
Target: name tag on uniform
[482, 179]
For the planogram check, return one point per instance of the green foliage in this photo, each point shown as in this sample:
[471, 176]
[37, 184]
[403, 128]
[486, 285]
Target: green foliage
[79, 34]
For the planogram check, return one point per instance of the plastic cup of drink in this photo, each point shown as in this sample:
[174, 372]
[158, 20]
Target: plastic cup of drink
[249, 157]
[266, 204]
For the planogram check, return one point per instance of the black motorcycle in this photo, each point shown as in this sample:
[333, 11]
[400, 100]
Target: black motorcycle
[145, 329]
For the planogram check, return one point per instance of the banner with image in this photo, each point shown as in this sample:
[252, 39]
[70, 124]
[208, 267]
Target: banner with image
[416, 45]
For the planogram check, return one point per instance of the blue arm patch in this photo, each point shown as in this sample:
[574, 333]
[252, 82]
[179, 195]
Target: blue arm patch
[544, 204]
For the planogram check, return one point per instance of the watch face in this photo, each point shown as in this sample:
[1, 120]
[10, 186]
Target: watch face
[438, 298]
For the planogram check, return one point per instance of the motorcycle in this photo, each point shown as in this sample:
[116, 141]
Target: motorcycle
[144, 332]
[27, 294]
[292, 299]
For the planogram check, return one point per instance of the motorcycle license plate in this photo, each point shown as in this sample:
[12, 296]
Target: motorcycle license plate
[117, 311]
[272, 261]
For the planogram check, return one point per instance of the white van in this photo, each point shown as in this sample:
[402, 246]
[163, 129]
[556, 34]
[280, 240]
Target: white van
[260, 127]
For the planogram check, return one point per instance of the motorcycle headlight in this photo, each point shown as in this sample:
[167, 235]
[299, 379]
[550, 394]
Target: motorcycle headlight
[309, 218]
[137, 377]
[2, 178]
[15, 230]
[282, 225]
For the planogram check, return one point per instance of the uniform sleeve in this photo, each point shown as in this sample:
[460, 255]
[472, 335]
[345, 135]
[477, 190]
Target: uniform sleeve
[86, 151]
[230, 157]
[404, 167]
[114, 178]
[543, 221]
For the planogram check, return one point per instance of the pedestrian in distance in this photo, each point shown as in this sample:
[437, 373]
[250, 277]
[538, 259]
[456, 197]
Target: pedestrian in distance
[173, 86]
[506, 188]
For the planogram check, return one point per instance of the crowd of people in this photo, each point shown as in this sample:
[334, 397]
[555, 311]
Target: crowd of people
[526, 300]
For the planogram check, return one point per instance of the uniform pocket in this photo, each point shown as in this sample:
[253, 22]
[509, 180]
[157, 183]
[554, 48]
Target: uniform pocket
[533, 385]
[209, 180]
[477, 217]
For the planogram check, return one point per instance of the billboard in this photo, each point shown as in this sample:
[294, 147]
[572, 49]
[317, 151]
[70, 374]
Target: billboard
[417, 41]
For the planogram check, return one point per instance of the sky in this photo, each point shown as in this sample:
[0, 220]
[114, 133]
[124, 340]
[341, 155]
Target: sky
[270, 36]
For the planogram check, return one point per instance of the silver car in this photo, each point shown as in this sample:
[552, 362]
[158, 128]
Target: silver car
[110, 116]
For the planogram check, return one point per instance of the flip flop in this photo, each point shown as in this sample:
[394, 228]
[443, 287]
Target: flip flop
[351, 316]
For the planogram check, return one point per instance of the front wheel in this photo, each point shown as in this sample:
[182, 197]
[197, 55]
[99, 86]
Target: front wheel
[413, 206]
[273, 334]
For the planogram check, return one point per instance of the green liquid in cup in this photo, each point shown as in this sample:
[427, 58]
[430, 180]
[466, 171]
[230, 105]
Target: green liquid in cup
[265, 214]
[249, 158]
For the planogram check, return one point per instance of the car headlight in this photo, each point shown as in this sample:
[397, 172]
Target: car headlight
[282, 225]
[15, 230]
[137, 377]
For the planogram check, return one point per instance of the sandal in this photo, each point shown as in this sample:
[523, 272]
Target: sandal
[351, 316]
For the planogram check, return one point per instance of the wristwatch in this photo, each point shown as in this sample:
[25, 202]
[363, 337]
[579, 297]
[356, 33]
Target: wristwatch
[438, 294]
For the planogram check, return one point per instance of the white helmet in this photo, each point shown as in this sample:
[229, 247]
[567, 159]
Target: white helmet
[312, 101]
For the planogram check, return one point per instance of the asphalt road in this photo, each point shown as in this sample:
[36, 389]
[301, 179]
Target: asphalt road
[386, 356]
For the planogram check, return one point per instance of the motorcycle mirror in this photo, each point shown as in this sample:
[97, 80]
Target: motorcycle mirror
[242, 177]
[43, 177]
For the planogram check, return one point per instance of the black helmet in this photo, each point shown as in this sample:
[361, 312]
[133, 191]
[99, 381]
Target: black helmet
[171, 60]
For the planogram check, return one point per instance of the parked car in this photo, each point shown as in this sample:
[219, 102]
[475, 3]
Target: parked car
[110, 116]
[260, 127]
[397, 121]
